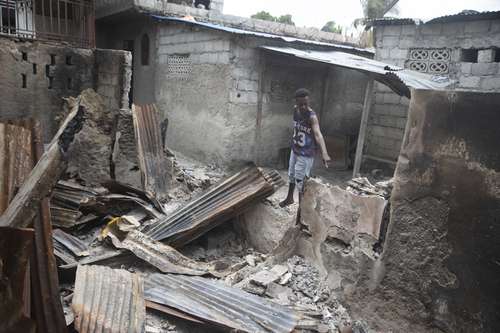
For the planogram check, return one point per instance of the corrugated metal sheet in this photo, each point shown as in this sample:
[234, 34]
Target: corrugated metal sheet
[155, 168]
[16, 157]
[70, 242]
[224, 201]
[398, 79]
[259, 34]
[217, 303]
[108, 300]
[164, 257]
[466, 15]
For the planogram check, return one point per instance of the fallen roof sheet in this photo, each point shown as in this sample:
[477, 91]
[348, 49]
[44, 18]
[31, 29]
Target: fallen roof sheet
[70, 242]
[259, 34]
[214, 207]
[219, 304]
[108, 300]
[153, 163]
[164, 257]
[398, 79]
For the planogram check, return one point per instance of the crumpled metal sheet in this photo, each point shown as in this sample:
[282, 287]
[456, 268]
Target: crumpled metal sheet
[70, 242]
[221, 203]
[219, 304]
[153, 162]
[164, 257]
[108, 300]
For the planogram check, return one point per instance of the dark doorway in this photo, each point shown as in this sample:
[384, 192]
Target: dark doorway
[128, 45]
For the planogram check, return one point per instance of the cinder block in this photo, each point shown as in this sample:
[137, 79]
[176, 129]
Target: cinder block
[213, 58]
[392, 30]
[469, 82]
[487, 55]
[477, 27]
[495, 26]
[223, 58]
[490, 83]
[379, 98]
[466, 68]
[397, 53]
[453, 28]
[389, 41]
[392, 98]
[407, 42]
[484, 69]
[432, 29]
[409, 29]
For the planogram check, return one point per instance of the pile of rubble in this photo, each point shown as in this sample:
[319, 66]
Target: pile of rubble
[126, 256]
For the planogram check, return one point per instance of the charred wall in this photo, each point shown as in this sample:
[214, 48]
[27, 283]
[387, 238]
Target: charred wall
[442, 255]
[36, 76]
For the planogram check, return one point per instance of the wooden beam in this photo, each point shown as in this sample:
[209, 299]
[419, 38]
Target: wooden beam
[362, 128]
[45, 174]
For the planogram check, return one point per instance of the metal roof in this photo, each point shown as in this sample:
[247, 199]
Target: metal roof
[258, 34]
[217, 303]
[398, 79]
[108, 300]
[465, 15]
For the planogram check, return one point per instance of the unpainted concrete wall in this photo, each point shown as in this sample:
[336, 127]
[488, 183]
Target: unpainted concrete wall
[52, 72]
[439, 267]
[393, 45]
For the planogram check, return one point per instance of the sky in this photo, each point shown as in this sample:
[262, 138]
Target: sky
[315, 13]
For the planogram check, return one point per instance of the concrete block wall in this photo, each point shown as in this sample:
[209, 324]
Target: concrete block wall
[196, 100]
[35, 77]
[393, 44]
[49, 73]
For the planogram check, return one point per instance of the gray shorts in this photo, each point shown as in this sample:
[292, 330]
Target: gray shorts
[299, 168]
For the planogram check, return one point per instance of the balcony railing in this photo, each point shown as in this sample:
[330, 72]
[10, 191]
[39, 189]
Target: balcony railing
[70, 21]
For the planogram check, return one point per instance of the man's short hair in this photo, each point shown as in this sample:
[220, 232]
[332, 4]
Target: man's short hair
[302, 92]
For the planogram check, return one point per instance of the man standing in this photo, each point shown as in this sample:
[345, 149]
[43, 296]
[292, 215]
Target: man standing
[306, 137]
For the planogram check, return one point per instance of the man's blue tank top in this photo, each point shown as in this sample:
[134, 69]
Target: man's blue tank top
[303, 140]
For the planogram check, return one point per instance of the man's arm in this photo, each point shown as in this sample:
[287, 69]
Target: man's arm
[320, 140]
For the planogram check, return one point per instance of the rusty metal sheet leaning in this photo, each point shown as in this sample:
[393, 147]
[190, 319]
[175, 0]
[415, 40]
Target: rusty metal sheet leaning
[16, 157]
[218, 205]
[108, 300]
[153, 162]
[45, 174]
[214, 302]
[16, 246]
[165, 258]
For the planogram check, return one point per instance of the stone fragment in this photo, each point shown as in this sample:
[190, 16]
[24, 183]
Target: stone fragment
[250, 259]
[280, 270]
[285, 278]
[264, 278]
[279, 293]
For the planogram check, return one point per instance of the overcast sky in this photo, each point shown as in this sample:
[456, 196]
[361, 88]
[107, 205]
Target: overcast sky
[315, 13]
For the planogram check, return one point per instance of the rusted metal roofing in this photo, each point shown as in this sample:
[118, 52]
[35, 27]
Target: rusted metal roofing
[108, 300]
[398, 79]
[214, 302]
[16, 157]
[221, 203]
[155, 169]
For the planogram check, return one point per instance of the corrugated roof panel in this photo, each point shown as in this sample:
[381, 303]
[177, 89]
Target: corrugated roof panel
[217, 303]
[258, 34]
[216, 206]
[108, 300]
[398, 79]
[152, 158]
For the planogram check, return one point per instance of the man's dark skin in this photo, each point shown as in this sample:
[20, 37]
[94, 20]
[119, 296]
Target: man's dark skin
[302, 104]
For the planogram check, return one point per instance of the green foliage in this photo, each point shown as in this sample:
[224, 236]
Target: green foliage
[263, 15]
[377, 8]
[331, 26]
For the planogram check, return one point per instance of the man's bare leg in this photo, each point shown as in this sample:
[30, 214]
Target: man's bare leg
[289, 198]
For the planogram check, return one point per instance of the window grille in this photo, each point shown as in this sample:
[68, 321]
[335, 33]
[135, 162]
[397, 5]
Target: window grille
[433, 61]
[179, 66]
